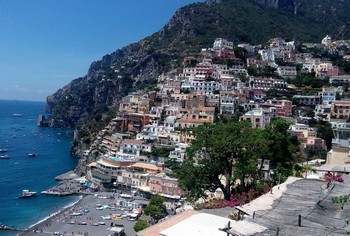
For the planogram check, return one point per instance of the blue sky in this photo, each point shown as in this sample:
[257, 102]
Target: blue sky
[44, 44]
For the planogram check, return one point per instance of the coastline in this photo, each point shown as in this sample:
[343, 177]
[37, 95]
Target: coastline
[33, 226]
[84, 216]
[46, 221]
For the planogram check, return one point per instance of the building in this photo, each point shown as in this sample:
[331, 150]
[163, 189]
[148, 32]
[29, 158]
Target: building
[328, 95]
[307, 100]
[284, 107]
[324, 70]
[259, 118]
[138, 174]
[307, 136]
[287, 71]
[253, 62]
[339, 80]
[327, 41]
[136, 120]
[220, 44]
[133, 147]
[107, 169]
[164, 185]
[188, 123]
[227, 102]
[194, 223]
[340, 109]
[266, 84]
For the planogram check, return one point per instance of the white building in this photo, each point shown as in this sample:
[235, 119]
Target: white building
[287, 71]
[220, 44]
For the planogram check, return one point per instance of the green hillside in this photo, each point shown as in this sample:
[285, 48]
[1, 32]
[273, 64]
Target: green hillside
[191, 28]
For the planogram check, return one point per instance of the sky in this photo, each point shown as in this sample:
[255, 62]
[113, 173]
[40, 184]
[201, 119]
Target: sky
[45, 44]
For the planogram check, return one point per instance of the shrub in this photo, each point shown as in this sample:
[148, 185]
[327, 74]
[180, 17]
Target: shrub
[140, 225]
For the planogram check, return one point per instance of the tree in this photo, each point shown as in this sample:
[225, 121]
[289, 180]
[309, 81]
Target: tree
[240, 52]
[140, 225]
[282, 147]
[223, 153]
[325, 131]
[217, 156]
[153, 211]
[156, 208]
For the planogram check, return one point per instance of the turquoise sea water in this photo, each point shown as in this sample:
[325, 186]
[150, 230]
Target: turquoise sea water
[20, 135]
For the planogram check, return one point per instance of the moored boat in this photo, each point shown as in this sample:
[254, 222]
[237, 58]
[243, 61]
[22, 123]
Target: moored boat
[26, 193]
[3, 150]
[4, 157]
[31, 154]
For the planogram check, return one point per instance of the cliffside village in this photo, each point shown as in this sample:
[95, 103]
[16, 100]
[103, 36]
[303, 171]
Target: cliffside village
[204, 92]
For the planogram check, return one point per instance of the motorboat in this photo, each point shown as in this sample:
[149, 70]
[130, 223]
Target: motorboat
[4, 157]
[17, 114]
[31, 154]
[3, 150]
[26, 194]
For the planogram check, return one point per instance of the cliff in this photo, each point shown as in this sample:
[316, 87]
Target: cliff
[192, 27]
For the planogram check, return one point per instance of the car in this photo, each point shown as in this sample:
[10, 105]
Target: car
[106, 217]
[101, 223]
[82, 223]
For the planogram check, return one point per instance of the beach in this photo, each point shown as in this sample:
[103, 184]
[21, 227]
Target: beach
[84, 216]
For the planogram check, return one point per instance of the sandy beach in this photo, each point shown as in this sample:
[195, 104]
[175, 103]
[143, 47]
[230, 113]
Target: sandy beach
[84, 217]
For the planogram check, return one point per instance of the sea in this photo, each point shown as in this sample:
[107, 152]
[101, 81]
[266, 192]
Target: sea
[20, 135]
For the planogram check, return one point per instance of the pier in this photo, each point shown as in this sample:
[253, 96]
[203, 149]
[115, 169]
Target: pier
[12, 228]
[70, 175]
[68, 187]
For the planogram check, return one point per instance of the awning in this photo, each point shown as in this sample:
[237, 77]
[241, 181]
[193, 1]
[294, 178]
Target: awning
[116, 229]
[335, 168]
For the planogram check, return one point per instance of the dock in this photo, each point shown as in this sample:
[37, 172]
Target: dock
[57, 193]
[11, 228]
[70, 175]
[67, 187]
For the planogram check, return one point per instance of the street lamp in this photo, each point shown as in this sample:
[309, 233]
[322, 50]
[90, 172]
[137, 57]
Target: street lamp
[115, 186]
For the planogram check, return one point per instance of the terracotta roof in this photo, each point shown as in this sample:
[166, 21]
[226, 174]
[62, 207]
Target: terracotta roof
[155, 230]
[183, 120]
[226, 92]
[207, 108]
[146, 166]
[341, 102]
[133, 141]
[92, 164]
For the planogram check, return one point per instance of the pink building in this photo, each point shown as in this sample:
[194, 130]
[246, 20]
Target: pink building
[284, 107]
[340, 109]
[163, 184]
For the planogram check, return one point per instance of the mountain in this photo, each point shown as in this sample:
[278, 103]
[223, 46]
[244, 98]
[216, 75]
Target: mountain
[192, 27]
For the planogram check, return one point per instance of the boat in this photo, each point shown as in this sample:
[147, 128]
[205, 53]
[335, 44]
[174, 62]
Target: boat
[4, 157]
[3, 150]
[17, 114]
[31, 154]
[26, 194]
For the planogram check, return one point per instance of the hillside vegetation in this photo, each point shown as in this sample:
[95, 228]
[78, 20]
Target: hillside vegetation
[88, 100]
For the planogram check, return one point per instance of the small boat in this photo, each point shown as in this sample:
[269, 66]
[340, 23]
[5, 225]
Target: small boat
[3, 150]
[4, 157]
[31, 154]
[26, 193]
[17, 114]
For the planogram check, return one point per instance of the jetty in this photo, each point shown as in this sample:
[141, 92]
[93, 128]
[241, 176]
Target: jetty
[68, 187]
[12, 228]
[70, 175]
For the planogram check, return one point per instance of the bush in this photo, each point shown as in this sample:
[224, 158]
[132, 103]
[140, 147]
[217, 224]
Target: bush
[140, 225]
